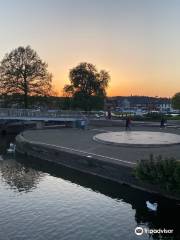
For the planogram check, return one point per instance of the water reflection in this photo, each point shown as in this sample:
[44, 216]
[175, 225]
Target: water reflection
[168, 210]
[23, 175]
[4, 142]
[18, 176]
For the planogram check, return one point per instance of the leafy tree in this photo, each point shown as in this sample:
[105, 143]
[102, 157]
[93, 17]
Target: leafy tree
[176, 101]
[87, 86]
[23, 72]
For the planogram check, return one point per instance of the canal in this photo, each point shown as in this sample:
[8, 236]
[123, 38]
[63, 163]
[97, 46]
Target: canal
[40, 201]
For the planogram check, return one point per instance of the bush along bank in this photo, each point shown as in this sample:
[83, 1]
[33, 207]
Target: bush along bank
[159, 171]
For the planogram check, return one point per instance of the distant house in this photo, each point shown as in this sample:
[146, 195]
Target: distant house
[139, 103]
[165, 105]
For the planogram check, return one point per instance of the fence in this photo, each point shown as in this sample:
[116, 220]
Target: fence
[33, 113]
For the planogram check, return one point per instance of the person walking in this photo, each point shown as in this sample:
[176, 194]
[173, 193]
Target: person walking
[162, 123]
[109, 114]
[128, 123]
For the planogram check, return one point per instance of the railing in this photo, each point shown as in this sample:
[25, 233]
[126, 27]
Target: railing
[33, 113]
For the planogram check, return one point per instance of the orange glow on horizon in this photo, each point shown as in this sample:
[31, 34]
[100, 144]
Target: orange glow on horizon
[121, 90]
[125, 85]
[134, 41]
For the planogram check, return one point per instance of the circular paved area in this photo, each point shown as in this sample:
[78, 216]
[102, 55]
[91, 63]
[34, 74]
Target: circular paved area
[138, 138]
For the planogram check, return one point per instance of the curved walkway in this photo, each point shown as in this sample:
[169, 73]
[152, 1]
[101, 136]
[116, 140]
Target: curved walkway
[81, 142]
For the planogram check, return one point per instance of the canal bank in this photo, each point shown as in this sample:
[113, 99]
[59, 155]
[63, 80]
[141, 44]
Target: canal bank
[76, 149]
[42, 201]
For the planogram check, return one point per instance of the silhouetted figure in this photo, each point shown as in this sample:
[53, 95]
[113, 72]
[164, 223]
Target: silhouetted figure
[162, 124]
[128, 123]
[109, 114]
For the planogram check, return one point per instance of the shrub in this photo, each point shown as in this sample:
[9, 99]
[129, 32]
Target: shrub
[164, 172]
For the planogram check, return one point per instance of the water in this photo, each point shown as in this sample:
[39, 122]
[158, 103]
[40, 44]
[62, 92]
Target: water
[38, 202]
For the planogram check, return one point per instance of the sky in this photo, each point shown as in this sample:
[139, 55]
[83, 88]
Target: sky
[136, 41]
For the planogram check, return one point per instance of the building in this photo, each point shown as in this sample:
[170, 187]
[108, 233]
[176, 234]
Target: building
[139, 103]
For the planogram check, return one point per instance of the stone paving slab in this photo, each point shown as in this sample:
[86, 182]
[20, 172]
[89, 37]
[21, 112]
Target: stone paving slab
[82, 140]
[138, 138]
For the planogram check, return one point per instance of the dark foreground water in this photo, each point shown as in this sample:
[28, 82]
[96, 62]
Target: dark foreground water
[38, 201]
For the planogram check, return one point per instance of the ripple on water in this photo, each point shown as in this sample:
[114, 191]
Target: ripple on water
[54, 208]
[58, 209]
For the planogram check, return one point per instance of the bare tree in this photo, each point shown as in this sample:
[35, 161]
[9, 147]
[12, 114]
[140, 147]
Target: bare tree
[23, 72]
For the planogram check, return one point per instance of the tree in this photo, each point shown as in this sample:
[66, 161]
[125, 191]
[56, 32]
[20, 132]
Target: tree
[24, 73]
[176, 101]
[87, 86]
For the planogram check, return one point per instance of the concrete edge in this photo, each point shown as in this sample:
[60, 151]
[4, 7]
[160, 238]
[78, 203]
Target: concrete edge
[113, 171]
[80, 152]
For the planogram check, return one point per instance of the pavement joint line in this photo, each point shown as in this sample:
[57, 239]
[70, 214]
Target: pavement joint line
[99, 130]
[80, 151]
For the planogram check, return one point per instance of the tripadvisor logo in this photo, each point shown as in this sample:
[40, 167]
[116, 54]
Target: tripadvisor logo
[139, 231]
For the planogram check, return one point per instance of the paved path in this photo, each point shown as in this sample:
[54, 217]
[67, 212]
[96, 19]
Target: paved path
[138, 138]
[82, 141]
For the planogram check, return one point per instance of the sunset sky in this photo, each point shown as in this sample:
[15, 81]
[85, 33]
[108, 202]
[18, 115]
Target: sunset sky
[137, 41]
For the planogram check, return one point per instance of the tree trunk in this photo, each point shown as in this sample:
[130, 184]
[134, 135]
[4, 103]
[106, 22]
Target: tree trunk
[25, 100]
[25, 93]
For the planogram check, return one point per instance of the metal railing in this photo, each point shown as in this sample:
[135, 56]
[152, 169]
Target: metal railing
[33, 113]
